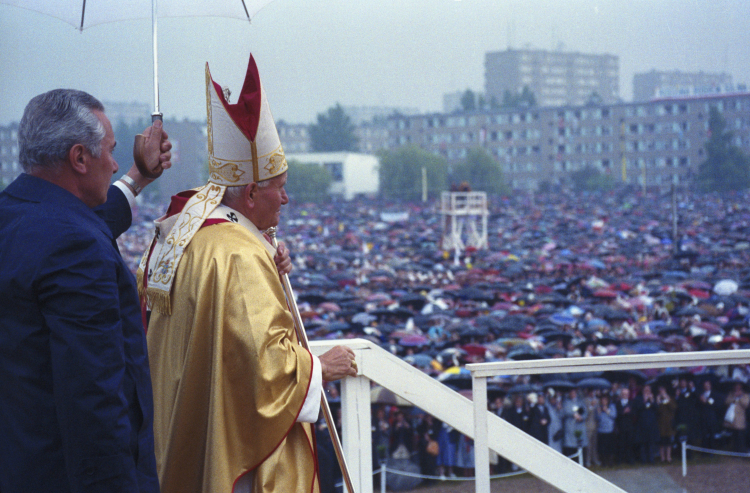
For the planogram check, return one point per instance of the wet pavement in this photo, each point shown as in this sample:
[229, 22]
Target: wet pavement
[645, 480]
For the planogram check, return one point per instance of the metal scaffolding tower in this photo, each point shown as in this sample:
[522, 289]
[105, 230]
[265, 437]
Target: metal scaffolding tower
[464, 221]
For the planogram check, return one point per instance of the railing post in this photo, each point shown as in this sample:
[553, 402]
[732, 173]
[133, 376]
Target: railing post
[356, 430]
[683, 444]
[580, 456]
[481, 440]
[383, 472]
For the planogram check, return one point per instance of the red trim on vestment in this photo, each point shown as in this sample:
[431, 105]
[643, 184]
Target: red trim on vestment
[315, 459]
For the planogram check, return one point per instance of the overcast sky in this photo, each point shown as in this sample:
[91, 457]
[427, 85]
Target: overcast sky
[314, 53]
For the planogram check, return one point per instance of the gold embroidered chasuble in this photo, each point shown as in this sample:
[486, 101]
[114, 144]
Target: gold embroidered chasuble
[229, 377]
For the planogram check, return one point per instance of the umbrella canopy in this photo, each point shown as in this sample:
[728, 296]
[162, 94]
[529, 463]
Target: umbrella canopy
[381, 395]
[726, 287]
[562, 319]
[523, 388]
[94, 13]
[727, 385]
[82, 15]
[625, 375]
[559, 384]
[456, 380]
[594, 383]
[420, 360]
[414, 340]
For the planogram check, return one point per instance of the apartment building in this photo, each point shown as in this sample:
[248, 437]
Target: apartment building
[556, 78]
[660, 84]
[10, 168]
[654, 143]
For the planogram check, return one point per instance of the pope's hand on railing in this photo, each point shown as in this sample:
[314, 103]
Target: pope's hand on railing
[337, 363]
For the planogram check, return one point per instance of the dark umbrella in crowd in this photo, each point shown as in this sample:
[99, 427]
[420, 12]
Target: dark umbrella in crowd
[624, 376]
[381, 395]
[524, 388]
[559, 384]
[594, 383]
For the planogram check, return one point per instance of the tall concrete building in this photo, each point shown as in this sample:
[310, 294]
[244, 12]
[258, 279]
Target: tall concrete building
[556, 78]
[651, 144]
[660, 84]
[10, 168]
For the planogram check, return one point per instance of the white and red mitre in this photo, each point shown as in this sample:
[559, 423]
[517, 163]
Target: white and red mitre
[243, 147]
[243, 143]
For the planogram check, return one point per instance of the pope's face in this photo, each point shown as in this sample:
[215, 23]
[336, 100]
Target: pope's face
[268, 201]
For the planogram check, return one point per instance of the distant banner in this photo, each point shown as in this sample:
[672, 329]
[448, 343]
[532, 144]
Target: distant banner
[394, 217]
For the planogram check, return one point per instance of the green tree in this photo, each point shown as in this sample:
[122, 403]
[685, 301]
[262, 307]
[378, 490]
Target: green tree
[308, 182]
[524, 99]
[726, 167]
[334, 131]
[469, 100]
[590, 179]
[400, 173]
[527, 98]
[481, 171]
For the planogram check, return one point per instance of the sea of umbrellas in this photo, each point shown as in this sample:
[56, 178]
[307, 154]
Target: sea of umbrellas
[565, 274]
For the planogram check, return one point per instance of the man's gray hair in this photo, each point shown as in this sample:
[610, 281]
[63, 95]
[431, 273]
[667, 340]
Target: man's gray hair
[54, 122]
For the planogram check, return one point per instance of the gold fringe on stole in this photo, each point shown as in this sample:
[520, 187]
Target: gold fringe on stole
[139, 283]
[160, 301]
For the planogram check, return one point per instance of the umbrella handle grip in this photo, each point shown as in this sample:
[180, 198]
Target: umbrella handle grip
[139, 156]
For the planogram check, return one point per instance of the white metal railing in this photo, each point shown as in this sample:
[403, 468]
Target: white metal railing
[564, 478]
[379, 366]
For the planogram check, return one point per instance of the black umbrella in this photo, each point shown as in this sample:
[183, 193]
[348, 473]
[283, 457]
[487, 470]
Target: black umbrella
[552, 351]
[726, 385]
[689, 311]
[495, 391]
[524, 353]
[559, 384]
[313, 297]
[472, 331]
[457, 380]
[474, 294]
[339, 326]
[594, 383]
[624, 376]
[414, 300]
[670, 330]
[523, 388]
[557, 336]
[339, 297]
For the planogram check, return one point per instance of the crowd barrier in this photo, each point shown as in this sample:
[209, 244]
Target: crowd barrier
[383, 471]
[686, 447]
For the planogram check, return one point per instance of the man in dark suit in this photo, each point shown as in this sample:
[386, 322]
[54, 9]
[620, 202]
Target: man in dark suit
[539, 420]
[627, 415]
[76, 408]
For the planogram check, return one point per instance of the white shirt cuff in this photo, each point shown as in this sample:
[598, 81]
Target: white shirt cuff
[128, 194]
[311, 407]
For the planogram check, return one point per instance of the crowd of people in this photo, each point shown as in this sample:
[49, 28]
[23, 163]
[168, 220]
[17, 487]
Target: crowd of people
[565, 275]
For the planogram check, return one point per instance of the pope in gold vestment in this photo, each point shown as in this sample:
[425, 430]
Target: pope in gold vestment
[228, 375]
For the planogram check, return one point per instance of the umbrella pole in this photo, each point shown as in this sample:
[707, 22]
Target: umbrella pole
[156, 115]
[302, 336]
